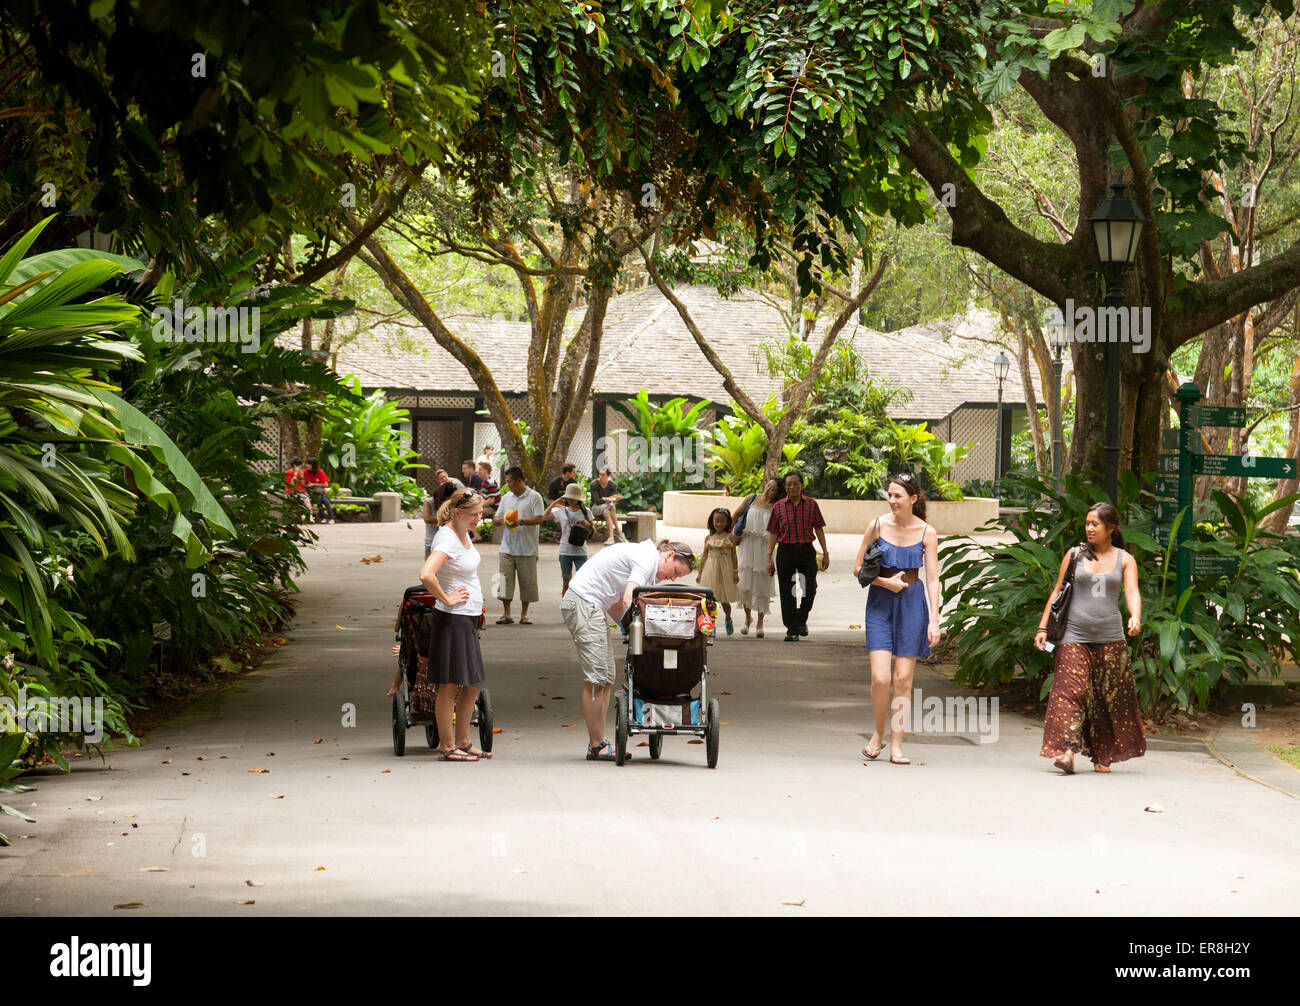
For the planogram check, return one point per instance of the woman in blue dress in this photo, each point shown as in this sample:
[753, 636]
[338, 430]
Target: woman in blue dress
[902, 618]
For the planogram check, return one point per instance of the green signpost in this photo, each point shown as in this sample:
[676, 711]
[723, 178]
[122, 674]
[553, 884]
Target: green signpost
[1248, 465]
[1215, 565]
[1176, 471]
[1166, 486]
[1219, 415]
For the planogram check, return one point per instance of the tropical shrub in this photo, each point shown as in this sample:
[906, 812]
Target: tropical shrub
[670, 453]
[361, 446]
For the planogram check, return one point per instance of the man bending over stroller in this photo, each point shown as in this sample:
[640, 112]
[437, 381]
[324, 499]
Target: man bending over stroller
[603, 587]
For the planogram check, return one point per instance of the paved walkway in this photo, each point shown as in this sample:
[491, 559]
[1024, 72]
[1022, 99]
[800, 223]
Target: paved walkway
[791, 822]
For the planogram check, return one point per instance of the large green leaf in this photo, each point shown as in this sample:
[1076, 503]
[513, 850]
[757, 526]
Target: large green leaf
[137, 428]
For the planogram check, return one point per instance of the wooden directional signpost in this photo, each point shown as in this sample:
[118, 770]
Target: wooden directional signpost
[1182, 460]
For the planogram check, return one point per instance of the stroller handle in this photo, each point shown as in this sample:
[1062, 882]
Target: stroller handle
[674, 588]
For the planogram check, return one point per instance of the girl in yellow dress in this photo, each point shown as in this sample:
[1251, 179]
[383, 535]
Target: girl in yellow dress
[719, 568]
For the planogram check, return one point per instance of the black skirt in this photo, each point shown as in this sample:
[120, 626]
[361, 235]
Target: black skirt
[454, 656]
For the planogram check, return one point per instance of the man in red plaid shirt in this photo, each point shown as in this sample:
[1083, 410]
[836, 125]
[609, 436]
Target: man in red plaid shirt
[793, 523]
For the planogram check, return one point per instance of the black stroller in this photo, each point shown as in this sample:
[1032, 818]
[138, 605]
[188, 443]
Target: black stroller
[659, 699]
[413, 703]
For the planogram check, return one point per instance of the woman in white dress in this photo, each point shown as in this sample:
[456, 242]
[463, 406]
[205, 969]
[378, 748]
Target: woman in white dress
[757, 587]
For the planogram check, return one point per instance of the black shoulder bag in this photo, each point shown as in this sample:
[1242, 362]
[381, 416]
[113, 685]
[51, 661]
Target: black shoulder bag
[1060, 610]
[577, 533]
[872, 559]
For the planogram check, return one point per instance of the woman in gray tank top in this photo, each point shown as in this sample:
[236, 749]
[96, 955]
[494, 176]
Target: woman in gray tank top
[1093, 707]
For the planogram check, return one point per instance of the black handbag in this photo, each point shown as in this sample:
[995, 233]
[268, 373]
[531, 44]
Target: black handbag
[872, 559]
[578, 534]
[1059, 613]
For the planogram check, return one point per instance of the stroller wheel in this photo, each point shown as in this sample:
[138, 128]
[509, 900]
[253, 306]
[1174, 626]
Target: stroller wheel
[620, 729]
[714, 731]
[656, 745]
[483, 711]
[431, 734]
[399, 726]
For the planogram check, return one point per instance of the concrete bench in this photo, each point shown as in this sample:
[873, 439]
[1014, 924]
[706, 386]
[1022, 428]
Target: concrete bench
[382, 507]
[640, 525]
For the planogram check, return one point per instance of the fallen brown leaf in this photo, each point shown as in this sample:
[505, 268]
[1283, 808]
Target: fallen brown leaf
[386, 770]
[725, 723]
[253, 883]
[155, 869]
[557, 698]
[644, 744]
[695, 740]
[130, 815]
[318, 869]
[270, 754]
[184, 773]
[166, 761]
[131, 904]
[568, 724]
[539, 706]
[246, 902]
[200, 758]
[318, 740]
[267, 770]
[495, 730]
[277, 797]
[795, 904]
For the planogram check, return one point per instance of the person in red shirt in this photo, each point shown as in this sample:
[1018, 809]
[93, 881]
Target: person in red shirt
[295, 480]
[317, 484]
[793, 523]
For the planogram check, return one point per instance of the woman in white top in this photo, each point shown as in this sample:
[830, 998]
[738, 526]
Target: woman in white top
[756, 586]
[450, 574]
[570, 512]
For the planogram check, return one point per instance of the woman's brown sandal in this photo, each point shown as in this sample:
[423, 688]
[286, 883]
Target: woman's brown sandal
[469, 749]
[455, 754]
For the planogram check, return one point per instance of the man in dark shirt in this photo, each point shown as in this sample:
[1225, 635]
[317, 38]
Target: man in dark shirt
[793, 523]
[604, 497]
[569, 473]
[470, 476]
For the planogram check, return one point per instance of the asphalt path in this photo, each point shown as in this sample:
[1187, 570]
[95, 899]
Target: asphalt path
[792, 821]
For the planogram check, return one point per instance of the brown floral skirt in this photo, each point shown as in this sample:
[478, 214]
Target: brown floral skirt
[1093, 706]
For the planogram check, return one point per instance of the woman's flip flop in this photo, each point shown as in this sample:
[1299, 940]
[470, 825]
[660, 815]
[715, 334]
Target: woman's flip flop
[866, 752]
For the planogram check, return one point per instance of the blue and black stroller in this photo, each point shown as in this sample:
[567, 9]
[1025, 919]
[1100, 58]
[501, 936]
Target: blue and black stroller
[413, 703]
[660, 699]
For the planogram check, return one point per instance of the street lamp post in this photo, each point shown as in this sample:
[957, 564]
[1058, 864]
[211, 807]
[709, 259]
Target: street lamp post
[1056, 329]
[1116, 227]
[1001, 364]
